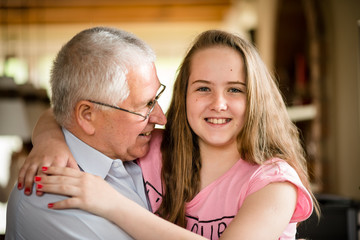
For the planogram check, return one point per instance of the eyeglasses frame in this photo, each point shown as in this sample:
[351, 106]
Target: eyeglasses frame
[125, 110]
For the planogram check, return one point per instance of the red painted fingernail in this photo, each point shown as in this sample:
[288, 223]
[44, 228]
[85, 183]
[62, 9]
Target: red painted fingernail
[39, 186]
[27, 190]
[44, 168]
[19, 185]
[50, 205]
[37, 178]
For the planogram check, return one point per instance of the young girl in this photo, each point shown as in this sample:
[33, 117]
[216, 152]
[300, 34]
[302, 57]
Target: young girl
[229, 163]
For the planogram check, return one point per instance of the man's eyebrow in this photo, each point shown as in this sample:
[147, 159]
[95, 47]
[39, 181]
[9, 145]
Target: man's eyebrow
[152, 98]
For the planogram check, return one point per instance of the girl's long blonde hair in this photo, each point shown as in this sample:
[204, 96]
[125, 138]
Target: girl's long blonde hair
[268, 131]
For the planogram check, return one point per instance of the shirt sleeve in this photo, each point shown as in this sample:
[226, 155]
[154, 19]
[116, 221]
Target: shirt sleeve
[280, 171]
[28, 217]
[151, 166]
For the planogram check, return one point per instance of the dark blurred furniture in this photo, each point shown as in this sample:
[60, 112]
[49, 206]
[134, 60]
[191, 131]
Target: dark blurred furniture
[339, 220]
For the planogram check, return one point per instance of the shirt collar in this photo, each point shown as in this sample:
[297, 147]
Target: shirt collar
[88, 158]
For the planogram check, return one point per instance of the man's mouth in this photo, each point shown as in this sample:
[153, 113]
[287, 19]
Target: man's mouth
[145, 134]
[217, 120]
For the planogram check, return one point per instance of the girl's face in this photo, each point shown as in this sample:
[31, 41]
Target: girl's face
[216, 96]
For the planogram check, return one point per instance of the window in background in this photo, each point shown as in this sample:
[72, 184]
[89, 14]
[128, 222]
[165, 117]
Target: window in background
[16, 68]
[166, 70]
[8, 145]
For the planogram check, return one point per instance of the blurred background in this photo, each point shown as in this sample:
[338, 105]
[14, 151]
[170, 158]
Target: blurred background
[313, 47]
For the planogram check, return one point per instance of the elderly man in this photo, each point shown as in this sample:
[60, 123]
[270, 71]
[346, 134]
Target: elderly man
[104, 95]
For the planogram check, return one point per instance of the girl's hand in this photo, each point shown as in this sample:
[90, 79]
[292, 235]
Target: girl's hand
[86, 191]
[53, 153]
[49, 149]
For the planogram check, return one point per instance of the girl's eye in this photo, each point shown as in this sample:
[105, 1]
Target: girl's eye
[236, 90]
[203, 89]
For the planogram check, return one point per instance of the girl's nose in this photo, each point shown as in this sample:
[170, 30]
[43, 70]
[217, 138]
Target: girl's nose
[219, 103]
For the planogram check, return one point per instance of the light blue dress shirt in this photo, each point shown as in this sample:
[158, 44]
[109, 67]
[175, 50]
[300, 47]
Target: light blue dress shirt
[28, 217]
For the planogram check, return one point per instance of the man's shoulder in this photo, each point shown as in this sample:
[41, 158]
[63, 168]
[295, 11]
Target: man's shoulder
[18, 199]
[29, 216]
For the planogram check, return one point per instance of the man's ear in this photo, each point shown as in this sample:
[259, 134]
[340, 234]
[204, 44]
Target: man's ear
[85, 116]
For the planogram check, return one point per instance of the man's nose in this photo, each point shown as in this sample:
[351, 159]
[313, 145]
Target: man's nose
[157, 116]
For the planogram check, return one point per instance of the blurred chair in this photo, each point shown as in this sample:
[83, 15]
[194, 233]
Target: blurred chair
[339, 220]
[20, 107]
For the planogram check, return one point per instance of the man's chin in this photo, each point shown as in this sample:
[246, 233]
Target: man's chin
[139, 152]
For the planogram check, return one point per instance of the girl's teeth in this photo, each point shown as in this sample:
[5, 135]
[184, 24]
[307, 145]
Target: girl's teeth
[216, 121]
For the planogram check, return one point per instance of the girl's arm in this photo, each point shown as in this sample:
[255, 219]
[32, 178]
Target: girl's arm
[263, 215]
[91, 193]
[49, 149]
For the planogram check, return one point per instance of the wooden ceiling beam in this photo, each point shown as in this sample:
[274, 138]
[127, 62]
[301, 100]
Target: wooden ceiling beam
[136, 12]
[96, 3]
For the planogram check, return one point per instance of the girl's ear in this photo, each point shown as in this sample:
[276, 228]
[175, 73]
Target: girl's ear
[85, 116]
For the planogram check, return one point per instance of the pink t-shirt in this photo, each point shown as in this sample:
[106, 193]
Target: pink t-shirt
[214, 207]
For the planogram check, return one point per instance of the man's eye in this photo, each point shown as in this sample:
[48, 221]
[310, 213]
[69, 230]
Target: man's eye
[150, 104]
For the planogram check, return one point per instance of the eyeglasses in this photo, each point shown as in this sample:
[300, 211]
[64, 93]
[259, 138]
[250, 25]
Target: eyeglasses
[150, 105]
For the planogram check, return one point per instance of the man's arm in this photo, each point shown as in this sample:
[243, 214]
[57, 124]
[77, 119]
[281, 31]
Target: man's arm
[49, 149]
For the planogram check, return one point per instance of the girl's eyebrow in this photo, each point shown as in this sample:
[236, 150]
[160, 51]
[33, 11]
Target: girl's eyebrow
[201, 81]
[241, 83]
[208, 82]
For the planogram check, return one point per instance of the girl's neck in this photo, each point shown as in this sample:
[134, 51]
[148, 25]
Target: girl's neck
[216, 161]
[210, 153]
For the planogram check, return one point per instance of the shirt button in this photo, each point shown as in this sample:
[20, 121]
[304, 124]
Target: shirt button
[116, 164]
